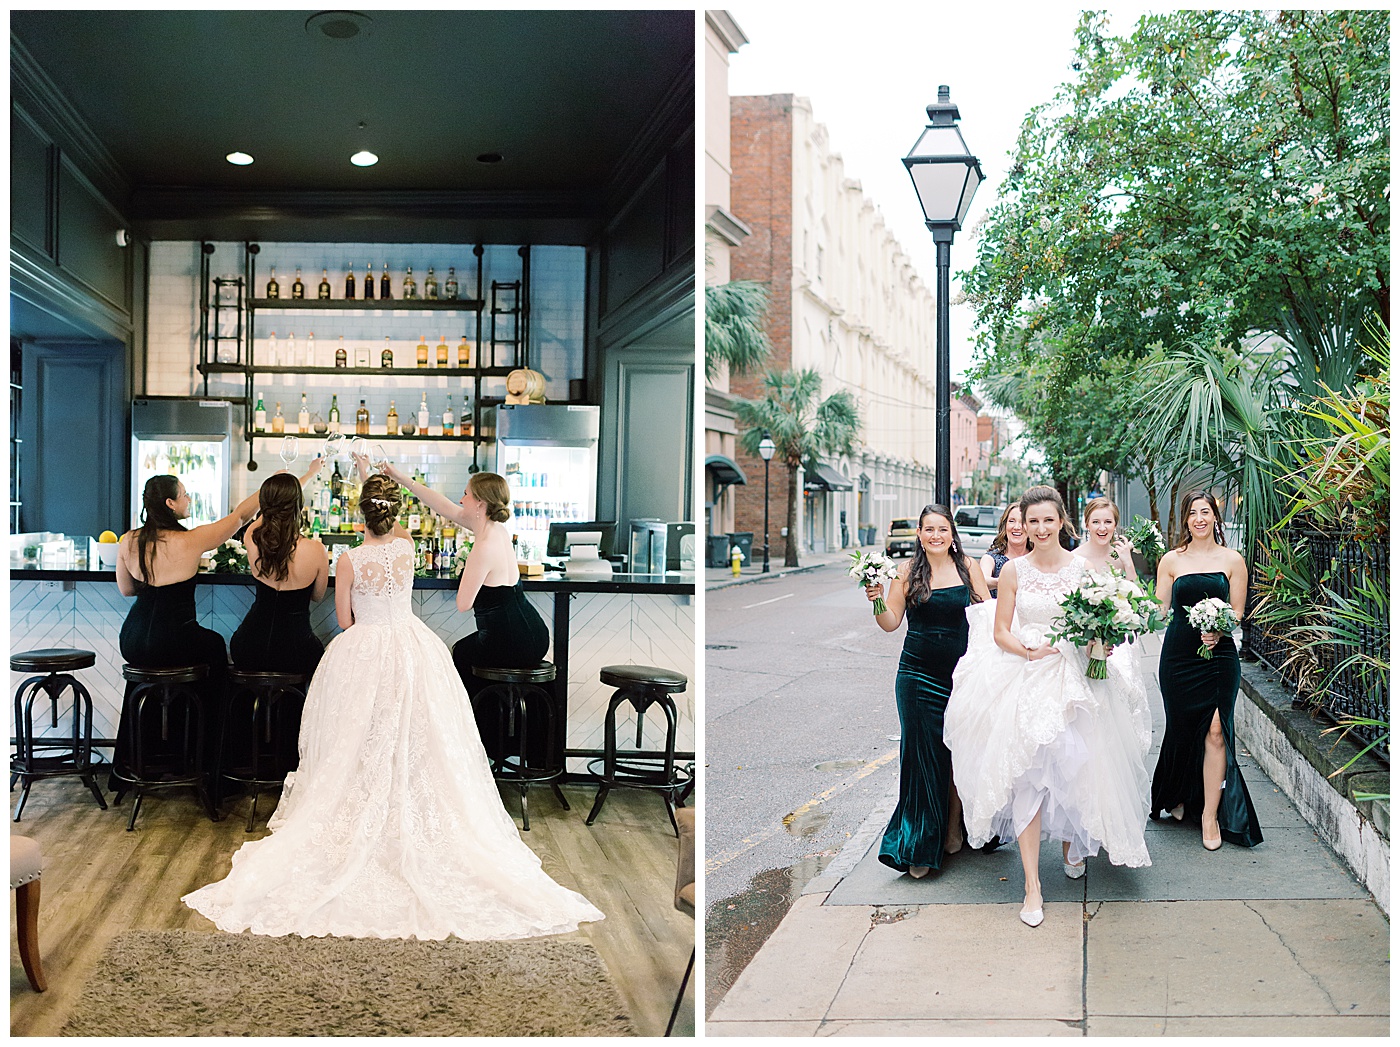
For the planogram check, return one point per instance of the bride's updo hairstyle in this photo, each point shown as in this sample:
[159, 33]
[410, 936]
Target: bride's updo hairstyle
[1183, 538]
[1043, 493]
[917, 585]
[380, 503]
[492, 489]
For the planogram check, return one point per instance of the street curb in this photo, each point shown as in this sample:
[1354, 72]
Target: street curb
[731, 582]
[856, 848]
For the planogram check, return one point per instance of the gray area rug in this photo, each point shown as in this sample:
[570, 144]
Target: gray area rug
[186, 983]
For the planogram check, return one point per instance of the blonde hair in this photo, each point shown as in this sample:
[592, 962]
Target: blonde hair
[380, 503]
[1095, 504]
[492, 489]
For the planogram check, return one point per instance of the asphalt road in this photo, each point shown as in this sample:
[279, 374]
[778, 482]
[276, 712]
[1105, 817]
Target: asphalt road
[801, 743]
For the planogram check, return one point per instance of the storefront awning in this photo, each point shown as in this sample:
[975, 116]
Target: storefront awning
[822, 477]
[726, 470]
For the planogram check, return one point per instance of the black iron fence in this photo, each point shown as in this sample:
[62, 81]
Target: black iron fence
[1308, 662]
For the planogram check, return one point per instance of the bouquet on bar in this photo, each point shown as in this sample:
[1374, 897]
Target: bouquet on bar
[1212, 615]
[1104, 611]
[230, 558]
[870, 569]
[1147, 540]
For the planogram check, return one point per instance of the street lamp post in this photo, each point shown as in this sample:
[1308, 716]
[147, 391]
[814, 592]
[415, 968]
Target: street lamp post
[766, 447]
[945, 175]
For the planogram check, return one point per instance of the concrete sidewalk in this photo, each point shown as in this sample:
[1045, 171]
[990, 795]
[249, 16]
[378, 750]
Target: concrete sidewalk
[723, 577]
[1280, 940]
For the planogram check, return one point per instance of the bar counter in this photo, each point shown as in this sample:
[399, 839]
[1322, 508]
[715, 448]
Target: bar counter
[644, 619]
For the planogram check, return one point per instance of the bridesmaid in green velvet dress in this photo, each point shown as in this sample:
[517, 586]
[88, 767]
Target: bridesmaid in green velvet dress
[935, 587]
[1197, 773]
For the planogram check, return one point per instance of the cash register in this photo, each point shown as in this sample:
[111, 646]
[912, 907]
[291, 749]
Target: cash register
[586, 546]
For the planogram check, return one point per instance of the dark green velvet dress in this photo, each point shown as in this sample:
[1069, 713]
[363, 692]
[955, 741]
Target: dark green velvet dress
[1193, 688]
[936, 639]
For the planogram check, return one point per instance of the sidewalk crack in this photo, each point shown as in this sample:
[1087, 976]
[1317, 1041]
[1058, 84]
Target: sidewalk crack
[1320, 987]
[826, 1015]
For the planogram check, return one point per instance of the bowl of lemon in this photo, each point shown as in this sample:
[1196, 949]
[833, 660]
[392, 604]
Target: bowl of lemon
[107, 550]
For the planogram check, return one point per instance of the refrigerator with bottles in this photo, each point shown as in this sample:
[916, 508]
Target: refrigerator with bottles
[548, 454]
[189, 437]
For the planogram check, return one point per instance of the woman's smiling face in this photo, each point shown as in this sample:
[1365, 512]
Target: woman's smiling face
[935, 534]
[1101, 525]
[1015, 529]
[1043, 521]
[1200, 519]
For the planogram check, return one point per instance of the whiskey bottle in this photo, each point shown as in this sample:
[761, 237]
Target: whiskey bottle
[340, 358]
[384, 283]
[450, 289]
[333, 422]
[386, 358]
[410, 286]
[449, 420]
[337, 483]
[391, 421]
[303, 417]
[369, 283]
[260, 416]
[279, 424]
[324, 291]
[430, 288]
[362, 420]
[464, 353]
[442, 351]
[423, 415]
[349, 283]
[298, 288]
[423, 351]
[273, 290]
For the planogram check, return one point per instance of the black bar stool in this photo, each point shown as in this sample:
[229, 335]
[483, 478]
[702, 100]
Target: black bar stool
[643, 686]
[270, 694]
[511, 689]
[165, 688]
[52, 757]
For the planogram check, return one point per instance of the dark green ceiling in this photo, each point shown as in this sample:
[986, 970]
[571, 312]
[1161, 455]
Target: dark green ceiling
[560, 94]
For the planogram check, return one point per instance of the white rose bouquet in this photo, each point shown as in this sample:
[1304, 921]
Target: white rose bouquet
[1212, 615]
[1104, 611]
[1147, 540]
[230, 558]
[872, 568]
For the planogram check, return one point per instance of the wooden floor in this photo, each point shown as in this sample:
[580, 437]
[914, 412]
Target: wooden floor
[100, 880]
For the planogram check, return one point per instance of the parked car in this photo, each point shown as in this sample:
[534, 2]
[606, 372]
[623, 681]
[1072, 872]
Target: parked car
[977, 526]
[902, 538]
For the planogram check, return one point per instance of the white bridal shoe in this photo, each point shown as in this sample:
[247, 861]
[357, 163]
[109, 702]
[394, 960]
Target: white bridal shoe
[1033, 918]
[1074, 872]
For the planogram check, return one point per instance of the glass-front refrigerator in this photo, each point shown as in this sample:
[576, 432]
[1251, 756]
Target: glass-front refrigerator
[548, 453]
[189, 437]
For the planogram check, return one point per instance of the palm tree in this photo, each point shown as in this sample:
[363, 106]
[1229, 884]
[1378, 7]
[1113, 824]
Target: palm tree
[734, 334]
[802, 426]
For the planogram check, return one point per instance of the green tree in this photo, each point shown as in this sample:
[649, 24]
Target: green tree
[734, 334]
[803, 426]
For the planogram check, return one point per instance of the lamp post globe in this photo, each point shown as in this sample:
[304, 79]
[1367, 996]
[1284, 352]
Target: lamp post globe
[946, 176]
[766, 447]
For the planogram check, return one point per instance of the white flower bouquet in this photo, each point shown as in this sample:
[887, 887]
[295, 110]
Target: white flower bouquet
[1147, 539]
[1104, 611]
[1212, 615]
[872, 568]
[230, 558]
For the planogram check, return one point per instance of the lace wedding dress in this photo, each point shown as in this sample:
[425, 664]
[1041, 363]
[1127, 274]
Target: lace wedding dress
[392, 826]
[1040, 734]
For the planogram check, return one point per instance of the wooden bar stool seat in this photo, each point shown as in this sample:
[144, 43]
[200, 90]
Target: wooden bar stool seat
[161, 691]
[52, 756]
[265, 763]
[641, 686]
[514, 690]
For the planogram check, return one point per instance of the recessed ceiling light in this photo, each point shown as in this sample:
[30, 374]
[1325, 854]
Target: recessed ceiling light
[240, 158]
[339, 25]
[364, 158]
[490, 158]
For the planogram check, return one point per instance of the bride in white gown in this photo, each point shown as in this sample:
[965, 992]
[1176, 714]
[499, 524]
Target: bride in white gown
[1040, 751]
[392, 826]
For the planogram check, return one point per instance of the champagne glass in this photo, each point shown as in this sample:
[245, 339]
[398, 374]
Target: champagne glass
[290, 449]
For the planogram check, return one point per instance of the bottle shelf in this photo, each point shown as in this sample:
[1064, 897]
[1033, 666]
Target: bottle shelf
[386, 305]
[464, 440]
[423, 372]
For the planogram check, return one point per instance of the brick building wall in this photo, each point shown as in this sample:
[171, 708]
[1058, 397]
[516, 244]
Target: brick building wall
[761, 151]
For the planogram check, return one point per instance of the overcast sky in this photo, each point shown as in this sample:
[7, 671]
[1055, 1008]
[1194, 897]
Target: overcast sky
[870, 68]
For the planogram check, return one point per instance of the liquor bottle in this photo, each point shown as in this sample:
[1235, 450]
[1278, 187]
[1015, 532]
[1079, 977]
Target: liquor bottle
[423, 415]
[279, 424]
[450, 289]
[259, 416]
[464, 353]
[303, 417]
[442, 351]
[369, 283]
[337, 483]
[391, 420]
[333, 420]
[333, 517]
[349, 283]
[384, 283]
[273, 290]
[324, 291]
[430, 288]
[340, 357]
[423, 351]
[386, 358]
[289, 352]
[410, 287]
[273, 357]
[298, 288]
[311, 360]
[449, 420]
[362, 420]
[316, 525]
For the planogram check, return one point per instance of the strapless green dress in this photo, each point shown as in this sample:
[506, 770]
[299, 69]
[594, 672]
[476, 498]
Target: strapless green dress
[1193, 689]
[936, 639]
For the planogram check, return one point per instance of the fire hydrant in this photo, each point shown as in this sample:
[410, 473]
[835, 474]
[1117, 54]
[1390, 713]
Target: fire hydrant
[736, 557]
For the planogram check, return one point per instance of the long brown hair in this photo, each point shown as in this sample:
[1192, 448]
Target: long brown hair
[279, 498]
[918, 584]
[1183, 537]
[156, 516]
[1045, 493]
